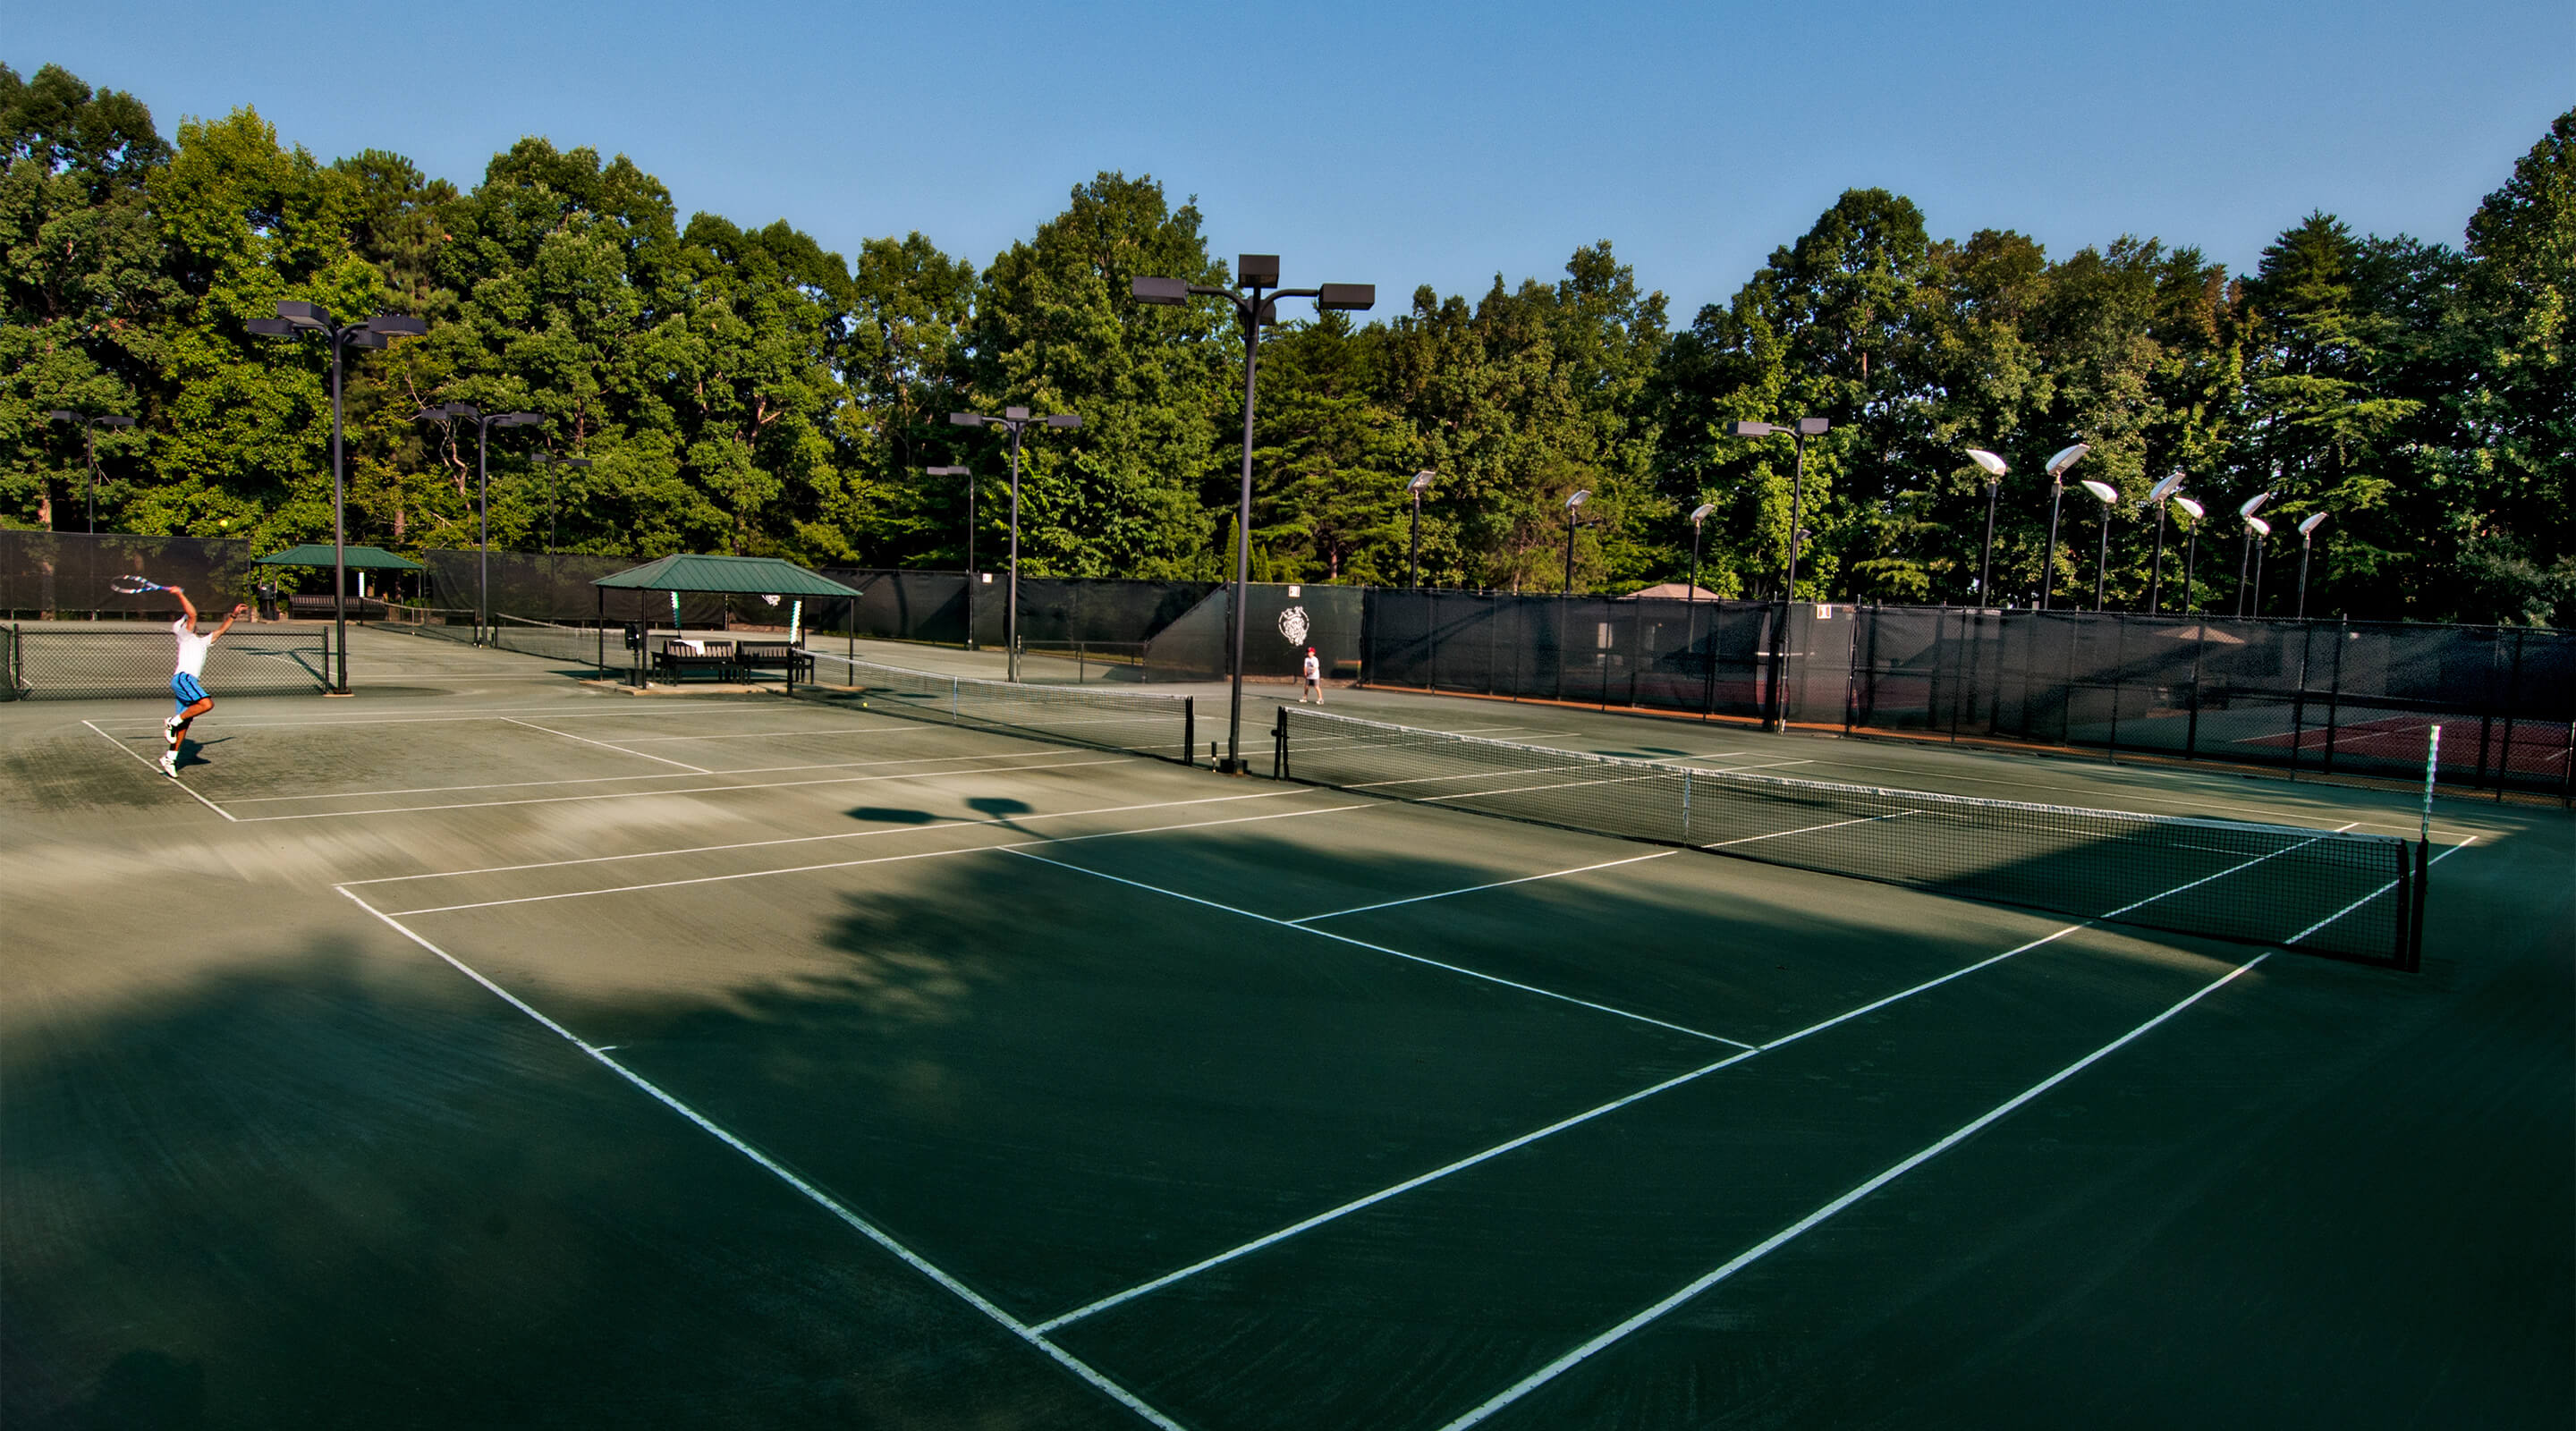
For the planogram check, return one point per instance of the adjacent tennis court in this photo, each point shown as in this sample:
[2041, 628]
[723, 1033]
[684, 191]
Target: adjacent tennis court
[513, 1052]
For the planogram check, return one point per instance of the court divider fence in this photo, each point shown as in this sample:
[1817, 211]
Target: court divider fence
[111, 660]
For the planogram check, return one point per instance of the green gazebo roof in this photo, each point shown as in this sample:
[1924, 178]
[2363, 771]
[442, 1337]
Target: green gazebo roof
[763, 576]
[355, 558]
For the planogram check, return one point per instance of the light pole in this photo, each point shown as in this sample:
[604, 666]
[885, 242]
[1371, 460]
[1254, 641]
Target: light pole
[2065, 457]
[1697, 516]
[2256, 529]
[483, 422]
[968, 474]
[89, 426]
[294, 316]
[1253, 272]
[2307, 541]
[1420, 484]
[1573, 504]
[2156, 577]
[2191, 553]
[1801, 430]
[1995, 470]
[1016, 419]
[2109, 497]
[551, 463]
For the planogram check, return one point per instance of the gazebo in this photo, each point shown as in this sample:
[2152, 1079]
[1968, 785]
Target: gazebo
[728, 575]
[357, 559]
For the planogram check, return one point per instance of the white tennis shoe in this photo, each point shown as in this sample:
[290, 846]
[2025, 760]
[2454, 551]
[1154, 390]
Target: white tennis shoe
[169, 727]
[168, 765]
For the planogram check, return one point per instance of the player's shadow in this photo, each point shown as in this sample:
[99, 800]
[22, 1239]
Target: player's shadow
[883, 815]
[190, 746]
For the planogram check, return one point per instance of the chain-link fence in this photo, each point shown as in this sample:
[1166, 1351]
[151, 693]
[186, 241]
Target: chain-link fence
[104, 660]
[1703, 657]
[67, 575]
[2325, 697]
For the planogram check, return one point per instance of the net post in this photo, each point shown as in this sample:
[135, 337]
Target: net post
[1686, 794]
[1279, 745]
[2420, 886]
[1189, 730]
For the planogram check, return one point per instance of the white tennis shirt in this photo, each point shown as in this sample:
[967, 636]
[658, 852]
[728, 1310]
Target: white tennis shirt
[1314, 668]
[192, 649]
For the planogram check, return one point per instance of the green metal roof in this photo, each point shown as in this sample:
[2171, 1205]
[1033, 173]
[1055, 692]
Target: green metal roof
[764, 576]
[357, 558]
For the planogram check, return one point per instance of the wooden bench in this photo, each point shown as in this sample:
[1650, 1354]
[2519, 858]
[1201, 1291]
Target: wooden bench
[678, 656]
[318, 608]
[774, 656]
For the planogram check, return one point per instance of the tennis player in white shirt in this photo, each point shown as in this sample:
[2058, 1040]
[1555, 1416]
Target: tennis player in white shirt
[186, 683]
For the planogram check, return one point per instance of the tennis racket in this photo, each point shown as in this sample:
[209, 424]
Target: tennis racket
[137, 586]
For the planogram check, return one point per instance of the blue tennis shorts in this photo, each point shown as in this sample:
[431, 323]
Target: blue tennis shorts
[185, 690]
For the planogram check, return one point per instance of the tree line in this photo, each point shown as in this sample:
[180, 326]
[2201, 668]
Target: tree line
[746, 390]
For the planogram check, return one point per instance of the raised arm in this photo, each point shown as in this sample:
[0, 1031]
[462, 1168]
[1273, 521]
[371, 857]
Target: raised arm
[229, 618]
[187, 606]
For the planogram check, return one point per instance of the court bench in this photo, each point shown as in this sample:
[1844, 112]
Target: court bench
[677, 657]
[774, 656]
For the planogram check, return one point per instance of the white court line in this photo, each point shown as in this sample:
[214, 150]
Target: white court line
[148, 765]
[778, 734]
[1525, 1139]
[1811, 829]
[556, 712]
[1802, 1226]
[842, 835]
[604, 745]
[684, 790]
[1373, 948]
[1474, 888]
[1614, 1105]
[619, 779]
[813, 1194]
[1012, 845]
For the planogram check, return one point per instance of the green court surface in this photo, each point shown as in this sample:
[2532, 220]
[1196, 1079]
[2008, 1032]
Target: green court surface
[489, 1049]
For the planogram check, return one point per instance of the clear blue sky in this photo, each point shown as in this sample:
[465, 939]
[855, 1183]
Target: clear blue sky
[1407, 144]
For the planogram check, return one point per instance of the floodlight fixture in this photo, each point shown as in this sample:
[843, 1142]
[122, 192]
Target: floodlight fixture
[1754, 429]
[1581, 496]
[1421, 481]
[2102, 491]
[1166, 292]
[1257, 270]
[2258, 526]
[1994, 465]
[1066, 420]
[2165, 488]
[2066, 457]
[1346, 297]
[2191, 507]
[2309, 525]
[1700, 513]
[2253, 504]
[270, 327]
[398, 325]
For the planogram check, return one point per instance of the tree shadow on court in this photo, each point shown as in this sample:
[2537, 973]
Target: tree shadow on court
[340, 1188]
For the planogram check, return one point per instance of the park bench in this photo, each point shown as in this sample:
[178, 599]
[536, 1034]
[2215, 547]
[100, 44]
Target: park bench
[774, 656]
[679, 656]
[302, 607]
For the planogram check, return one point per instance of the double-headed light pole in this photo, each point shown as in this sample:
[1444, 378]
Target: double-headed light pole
[2109, 497]
[2251, 562]
[1255, 297]
[2159, 494]
[1017, 419]
[90, 424]
[2191, 551]
[483, 422]
[967, 476]
[294, 316]
[1800, 430]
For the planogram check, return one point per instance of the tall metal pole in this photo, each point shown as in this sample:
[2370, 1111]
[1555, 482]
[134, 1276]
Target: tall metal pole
[89, 445]
[1413, 564]
[483, 527]
[1986, 564]
[2102, 558]
[1251, 315]
[970, 561]
[2307, 543]
[1692, 595]
[2048, 559]
[1011, 613]
[2156, 579]
[2244, 564]
[2258, 575]
[1797, 499]
[1569, 550]
[2190, 558]
[339, 531]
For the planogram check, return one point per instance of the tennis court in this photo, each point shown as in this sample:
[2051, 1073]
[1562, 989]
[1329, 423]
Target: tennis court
[503, 1051]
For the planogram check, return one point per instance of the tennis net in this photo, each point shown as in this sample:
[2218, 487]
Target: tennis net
[2324, 891]
[1137, 721]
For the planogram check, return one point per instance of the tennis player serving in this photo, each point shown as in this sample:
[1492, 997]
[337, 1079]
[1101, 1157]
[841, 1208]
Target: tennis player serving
[186, 686]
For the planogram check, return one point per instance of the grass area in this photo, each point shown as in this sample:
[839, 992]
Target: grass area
[486, 1049]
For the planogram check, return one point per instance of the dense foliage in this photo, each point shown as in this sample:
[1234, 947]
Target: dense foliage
[745, 390]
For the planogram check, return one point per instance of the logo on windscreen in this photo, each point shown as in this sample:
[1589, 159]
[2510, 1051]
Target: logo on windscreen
[1293, 625]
